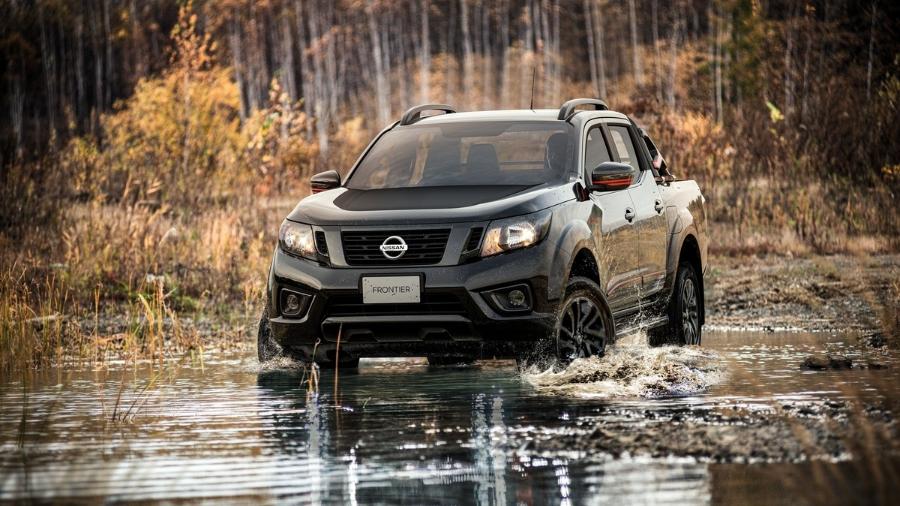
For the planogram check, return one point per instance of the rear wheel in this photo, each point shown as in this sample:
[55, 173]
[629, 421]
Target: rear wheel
[684, 326]
[583, 326]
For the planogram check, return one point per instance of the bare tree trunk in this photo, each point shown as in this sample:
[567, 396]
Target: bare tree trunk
[673, 65]
[487, 63]
[657, 69]
[525, 70]
[718, 68]
[289, 74]
[238, 63]
[319, 100]
[108, 82]
[601, 60]
[557, 57]
[306, 86]
[468, 60]
[81, 109]
[589, 30]
[871, 52]
[451, 77]
[331, 68]
[388, 63]
[16, 108]
[399, 49]
[48, 64]
[546, 74]
[788, 68]
[635, 54]
[383, 106]
[425, 55]
[504, 53]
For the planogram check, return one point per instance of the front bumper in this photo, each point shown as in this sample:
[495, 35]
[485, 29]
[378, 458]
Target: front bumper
[454, 316]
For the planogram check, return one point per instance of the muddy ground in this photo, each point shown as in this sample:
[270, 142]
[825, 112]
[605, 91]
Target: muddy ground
[820, 293]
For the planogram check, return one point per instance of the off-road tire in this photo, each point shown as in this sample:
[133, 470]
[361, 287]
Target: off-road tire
[684, 326]
[266, 347]
[583, 327]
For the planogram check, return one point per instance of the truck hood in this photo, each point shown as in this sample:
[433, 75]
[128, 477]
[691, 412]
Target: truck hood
[425, 205]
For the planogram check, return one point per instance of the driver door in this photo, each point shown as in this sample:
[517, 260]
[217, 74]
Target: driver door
[616, 240]
[650, 220]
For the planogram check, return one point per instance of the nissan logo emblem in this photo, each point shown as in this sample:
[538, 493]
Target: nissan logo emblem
[393, 247]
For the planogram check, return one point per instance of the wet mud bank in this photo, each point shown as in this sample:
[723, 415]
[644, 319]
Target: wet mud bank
[745, 398]
[821, 293]
[785, 432]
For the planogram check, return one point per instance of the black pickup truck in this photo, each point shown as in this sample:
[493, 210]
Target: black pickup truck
[517, 233]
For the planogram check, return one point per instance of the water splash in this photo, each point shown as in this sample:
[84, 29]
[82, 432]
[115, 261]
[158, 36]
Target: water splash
[277, 364]
[632, 368]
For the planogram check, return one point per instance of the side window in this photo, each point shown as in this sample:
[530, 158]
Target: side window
[621, 141]
[595, 150]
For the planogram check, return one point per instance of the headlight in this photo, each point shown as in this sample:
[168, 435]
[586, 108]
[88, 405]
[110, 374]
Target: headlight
[297, 239]
[515, 233]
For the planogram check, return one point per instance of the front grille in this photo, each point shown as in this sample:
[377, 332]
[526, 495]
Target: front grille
[425, 247]
[431, 304]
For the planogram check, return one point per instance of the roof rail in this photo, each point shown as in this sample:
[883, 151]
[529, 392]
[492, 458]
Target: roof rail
[415, 113]
[568, 109]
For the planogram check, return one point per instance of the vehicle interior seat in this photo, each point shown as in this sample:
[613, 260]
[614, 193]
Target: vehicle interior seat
[555, 154]
[443, 162]
[482, 162]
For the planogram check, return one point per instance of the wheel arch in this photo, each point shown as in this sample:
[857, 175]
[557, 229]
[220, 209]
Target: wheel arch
[584, 265]
[575, 245]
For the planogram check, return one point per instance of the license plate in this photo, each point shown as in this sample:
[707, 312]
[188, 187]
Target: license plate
[391, 289]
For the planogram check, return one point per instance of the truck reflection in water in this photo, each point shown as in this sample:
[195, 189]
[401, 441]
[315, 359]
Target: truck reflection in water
[436, 436]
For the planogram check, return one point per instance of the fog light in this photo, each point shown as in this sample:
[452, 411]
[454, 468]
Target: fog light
[516, 298]
[294, 304]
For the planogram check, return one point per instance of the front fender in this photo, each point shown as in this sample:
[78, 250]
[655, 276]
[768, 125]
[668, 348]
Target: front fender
[574, 236]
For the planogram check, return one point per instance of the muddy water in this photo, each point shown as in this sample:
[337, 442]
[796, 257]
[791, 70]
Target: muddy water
[735, 422]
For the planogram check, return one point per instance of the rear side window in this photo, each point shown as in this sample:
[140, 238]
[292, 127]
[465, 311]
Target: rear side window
[621, 142]
[595, 150]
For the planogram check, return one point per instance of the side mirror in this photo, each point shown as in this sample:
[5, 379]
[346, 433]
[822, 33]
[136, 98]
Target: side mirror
[610, 176]
[324, 181]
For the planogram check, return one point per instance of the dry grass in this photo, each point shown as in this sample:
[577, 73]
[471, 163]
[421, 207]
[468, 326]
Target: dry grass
[122, 276]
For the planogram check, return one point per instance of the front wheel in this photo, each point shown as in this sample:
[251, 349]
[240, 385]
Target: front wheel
[583, 326]
[266, 347]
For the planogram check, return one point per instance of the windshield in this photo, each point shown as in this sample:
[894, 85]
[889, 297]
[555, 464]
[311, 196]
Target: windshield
[467, 154]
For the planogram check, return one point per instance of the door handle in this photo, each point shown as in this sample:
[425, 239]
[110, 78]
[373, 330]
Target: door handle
[629, 214]
[658, 206]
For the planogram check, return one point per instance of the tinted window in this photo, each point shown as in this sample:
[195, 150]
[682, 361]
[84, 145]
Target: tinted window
[595, 150]
[460, 154]
[621, 141]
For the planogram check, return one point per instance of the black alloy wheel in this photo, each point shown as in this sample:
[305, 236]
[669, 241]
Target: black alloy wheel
[583, 328]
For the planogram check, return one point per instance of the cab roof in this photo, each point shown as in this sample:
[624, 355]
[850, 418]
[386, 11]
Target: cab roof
[513, 115]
